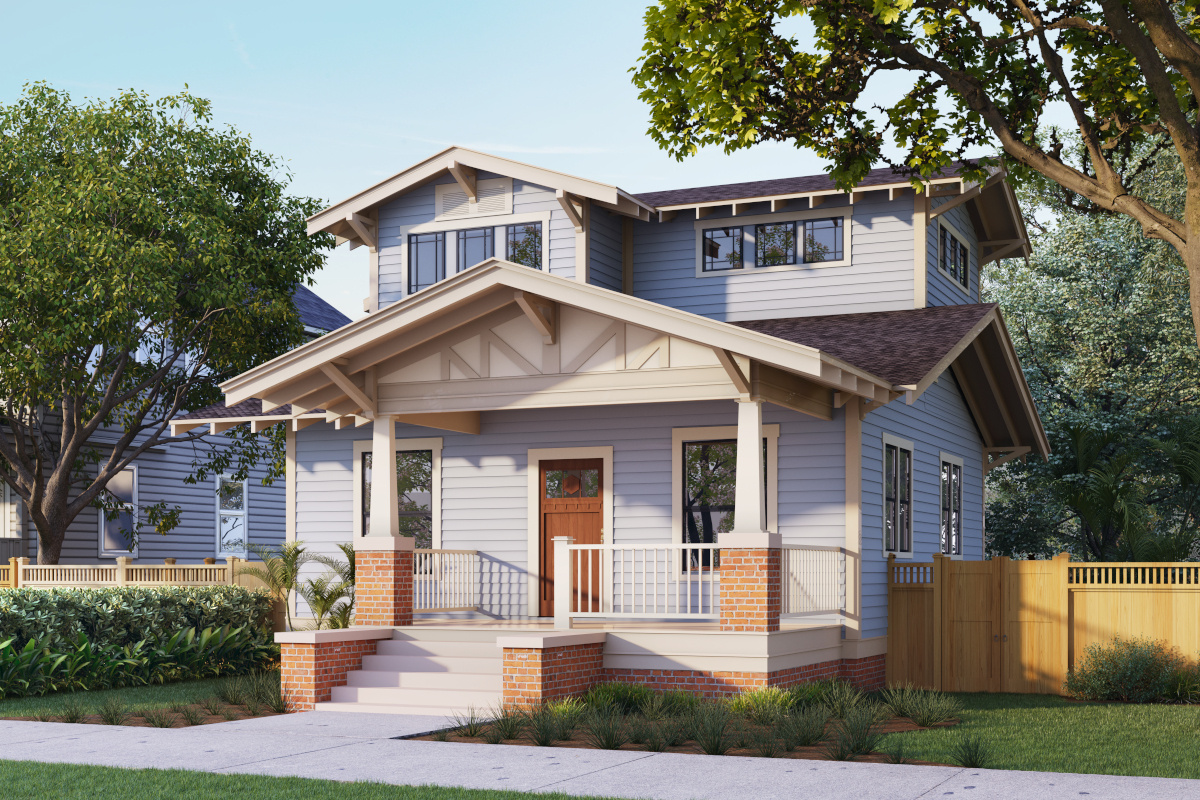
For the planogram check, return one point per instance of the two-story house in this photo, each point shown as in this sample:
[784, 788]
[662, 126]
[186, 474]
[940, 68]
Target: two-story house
[564, 380]
[211, 525]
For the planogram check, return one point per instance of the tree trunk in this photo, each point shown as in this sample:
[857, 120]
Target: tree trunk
[1191, 252]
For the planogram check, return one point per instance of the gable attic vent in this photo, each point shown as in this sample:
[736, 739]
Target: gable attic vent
[494, 197]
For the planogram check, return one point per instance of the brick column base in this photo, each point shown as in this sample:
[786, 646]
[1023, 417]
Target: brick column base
[750, 589]
[383, 581]
[313, 662]
[542, 667]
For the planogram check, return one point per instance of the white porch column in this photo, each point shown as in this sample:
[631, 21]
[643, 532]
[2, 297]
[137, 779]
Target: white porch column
[750, 487]
[385, 501]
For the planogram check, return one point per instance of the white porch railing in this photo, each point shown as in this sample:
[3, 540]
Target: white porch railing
[124, 573]
[658, 581]
[814, 580]
[445, 580]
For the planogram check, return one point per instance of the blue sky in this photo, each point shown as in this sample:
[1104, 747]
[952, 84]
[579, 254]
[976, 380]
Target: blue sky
[352, 93]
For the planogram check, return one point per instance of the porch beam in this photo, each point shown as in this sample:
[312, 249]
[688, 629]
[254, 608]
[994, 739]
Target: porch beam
[785, 389]
[457, 421]
[541, 312]
[349, 387]
[385, 498]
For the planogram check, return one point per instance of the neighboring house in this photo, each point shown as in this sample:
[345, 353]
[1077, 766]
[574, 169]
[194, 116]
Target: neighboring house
[548, 355]
[208, 527]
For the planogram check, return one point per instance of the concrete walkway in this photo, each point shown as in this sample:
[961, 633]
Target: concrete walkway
[359, 747]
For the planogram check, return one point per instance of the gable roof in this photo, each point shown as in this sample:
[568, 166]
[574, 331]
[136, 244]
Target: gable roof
[315, 312]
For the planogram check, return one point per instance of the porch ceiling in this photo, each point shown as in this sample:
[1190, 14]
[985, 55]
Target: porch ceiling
[505, 336]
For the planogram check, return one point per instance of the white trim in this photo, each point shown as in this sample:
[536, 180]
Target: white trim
[722, 432]
[534, 510]
[950, 458]
[433, 444]
[903, 444]
[244, 514]
[442, 189]
[101, 520]
[965, 242]
[747, 224]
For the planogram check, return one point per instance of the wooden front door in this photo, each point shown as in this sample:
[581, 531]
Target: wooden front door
[572, 504]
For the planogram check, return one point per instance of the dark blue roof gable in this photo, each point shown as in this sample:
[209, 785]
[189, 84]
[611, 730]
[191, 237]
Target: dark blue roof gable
[315, 312]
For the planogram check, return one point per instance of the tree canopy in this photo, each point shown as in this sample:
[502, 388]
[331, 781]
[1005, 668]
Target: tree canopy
[145, 256]
[980, 76]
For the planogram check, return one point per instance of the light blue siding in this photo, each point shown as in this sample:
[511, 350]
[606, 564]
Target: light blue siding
[941, 289]
[485, 480]
[605, 256]
[879, 277]
[938, 422]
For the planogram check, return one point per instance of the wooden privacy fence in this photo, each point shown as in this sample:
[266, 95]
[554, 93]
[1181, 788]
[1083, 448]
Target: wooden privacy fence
[1019, 626]
[20, 573]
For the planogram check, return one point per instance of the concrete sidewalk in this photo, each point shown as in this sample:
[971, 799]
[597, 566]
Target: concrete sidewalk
[360, 747]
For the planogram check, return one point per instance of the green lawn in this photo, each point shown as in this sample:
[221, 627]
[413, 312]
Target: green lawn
[137, 698]
[76, 782]
[1053, 734]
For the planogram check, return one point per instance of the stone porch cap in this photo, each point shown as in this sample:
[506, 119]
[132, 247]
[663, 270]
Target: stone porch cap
[352, 634]
[542, 641]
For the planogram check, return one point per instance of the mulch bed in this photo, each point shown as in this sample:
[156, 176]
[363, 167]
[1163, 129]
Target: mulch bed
[813, 753]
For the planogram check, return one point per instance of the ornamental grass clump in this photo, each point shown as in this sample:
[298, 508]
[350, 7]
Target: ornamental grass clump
[113, 711]
[470, 724]
[859, 733]
[803, 727]
[628, 698]
[971, 752]
[1130, 670]
[605, 729]
[508, 721]
[543, 725]
[762, 706]
[712, 729]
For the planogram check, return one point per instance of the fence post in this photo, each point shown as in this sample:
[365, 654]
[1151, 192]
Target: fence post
[939, 589]
[1062, 563]
[23, 561]
[562, 582]
[14, 572]
[889, 659]
[122, 564]
[231, 561]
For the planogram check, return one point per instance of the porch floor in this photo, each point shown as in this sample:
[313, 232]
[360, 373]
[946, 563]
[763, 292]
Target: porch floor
[542, 625]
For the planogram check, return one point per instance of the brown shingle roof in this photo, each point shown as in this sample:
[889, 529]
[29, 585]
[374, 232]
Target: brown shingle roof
[244, 409]
[778, 186]
[899, 346]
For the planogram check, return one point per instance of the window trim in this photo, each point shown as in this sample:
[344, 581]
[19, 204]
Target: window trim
[950, 458]
[965, 242]
[434, 444]
[749, 244]
[741, 267]
[721, 432]
[245, 514]
[409, 290]
[100, 519]
[903, 444]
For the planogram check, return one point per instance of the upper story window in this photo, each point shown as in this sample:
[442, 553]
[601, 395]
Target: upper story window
[952, 502]
[723, 249]
[524, 244]
[426, 260]
[474, 246]
[823, 240]
[775, 244]
[231, 517]
[897, 496]
[955, 257]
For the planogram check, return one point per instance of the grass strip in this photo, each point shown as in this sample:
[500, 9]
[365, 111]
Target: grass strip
[135, 698]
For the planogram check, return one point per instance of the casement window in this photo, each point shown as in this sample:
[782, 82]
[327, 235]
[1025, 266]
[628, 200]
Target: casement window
[415, 487]
[823, 240]
[524, 244]
[897, 495]
[775, 244]
[232, 514]
[955, 257]
[426, 260]
[117, 523]
[723, 249]
[474, 246]
[952, 504]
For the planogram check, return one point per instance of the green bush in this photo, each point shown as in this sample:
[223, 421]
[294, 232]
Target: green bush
[37, 669]
[1131, 670]
[628, 698]
[125, 616]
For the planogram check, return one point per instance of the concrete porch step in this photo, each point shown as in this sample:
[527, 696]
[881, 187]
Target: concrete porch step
[446, 713]
[462, 699]
[468, 649]
[480, 681]
[431, 664]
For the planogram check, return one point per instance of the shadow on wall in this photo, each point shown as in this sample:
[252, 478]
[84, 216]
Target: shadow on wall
[502, 587]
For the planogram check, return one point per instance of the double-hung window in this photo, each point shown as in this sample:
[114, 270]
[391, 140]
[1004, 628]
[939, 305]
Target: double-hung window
[118, 514]
[426, 260]
[955, 258]
[231, 517]
[952, 502]
[524, 244]
[897, 495]
[723, 249]
[474, 246]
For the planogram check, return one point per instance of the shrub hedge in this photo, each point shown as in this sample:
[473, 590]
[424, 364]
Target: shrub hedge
[1131, 670]
[121, 617]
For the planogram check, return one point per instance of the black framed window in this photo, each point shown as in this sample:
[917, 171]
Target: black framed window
[775, 244]
[474, 246]
[951, 530]
[524, 244]
[956, 258]
[709, 488]
[897, 500]
[823, 240]
[722, 249]
[414, 488]
[426, 260]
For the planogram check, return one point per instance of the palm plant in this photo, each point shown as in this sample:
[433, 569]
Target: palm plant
[325, 596]
[280, 570]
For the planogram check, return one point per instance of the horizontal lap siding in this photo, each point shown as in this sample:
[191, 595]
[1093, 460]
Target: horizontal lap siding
[530, 199]
[942, 289]
[485, 479]
[880, 277]
[606, 259]
[938, 422]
